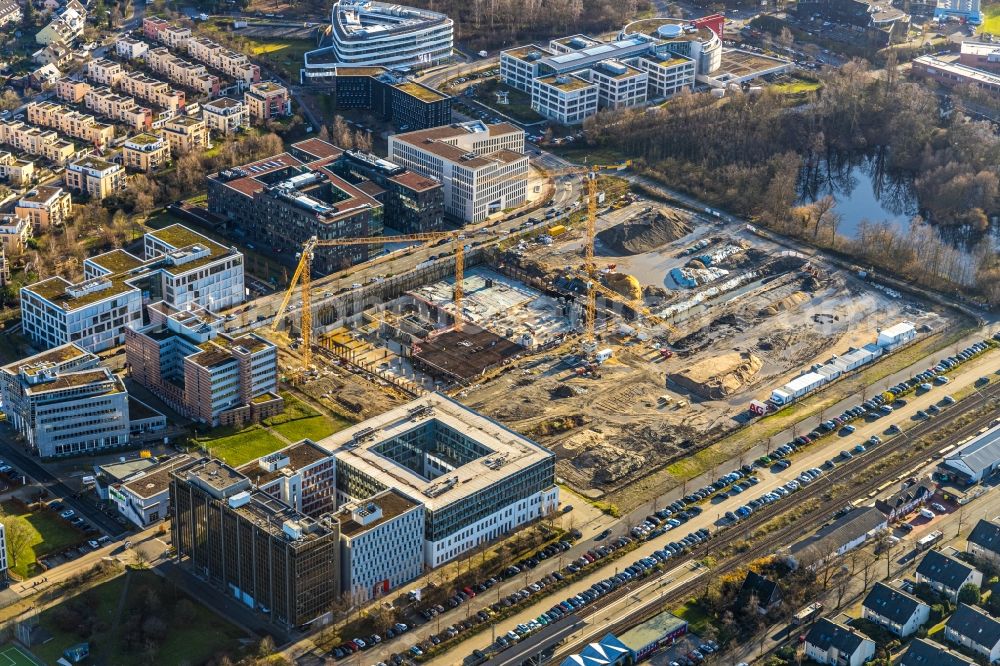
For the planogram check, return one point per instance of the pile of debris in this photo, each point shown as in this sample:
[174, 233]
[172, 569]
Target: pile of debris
[649, 230]
[719, 376]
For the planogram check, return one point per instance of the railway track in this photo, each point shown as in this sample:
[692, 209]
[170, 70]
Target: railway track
[791, 533]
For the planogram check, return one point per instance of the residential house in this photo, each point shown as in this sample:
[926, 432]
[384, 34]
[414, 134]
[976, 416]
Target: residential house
[838, 645]
[923, 652]
[10, 12]
[946, 575]
[764, 593]
[906, 499]
[975, 630]
[842, 535]
[897, 611]
[984, 542]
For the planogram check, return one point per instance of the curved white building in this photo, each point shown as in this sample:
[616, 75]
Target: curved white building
[686, 38]
[376, 34]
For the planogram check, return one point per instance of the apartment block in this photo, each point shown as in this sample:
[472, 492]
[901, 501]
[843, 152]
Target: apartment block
[302, 475]
[381, 544]
[105, 72]
[182, 72]
[282, 201]
[71, 123]
[17, 171]
[120, 108]
[211, 377]
[146, 152]
[46, 207]
[267, 100]
[482, 168]
[182, 268]
[253, 546]
[225, 115]
[185, 133]
[62, 403]
[130, 48]
[162, 31]
[15, 230]
[97, 178]
[233, 64]
[152, 90]
[71, 91]
[36, 141]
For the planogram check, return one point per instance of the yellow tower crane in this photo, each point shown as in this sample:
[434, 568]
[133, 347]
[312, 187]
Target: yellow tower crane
[301, 277]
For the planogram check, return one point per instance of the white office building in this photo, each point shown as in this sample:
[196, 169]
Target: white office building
[376, 34]
[381, 544]
[619, 85]
[62, 403]
[477, 480]
[143, 498]
[182, 267]
[567, 99]
[483, 168]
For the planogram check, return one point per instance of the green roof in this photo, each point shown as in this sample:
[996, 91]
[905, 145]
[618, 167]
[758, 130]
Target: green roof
[571, 84]
[423, 93]
[145, 139]
[117, 261]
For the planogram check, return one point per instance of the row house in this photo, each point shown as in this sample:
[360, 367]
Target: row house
[36, 141]
[105, 72]
[130, 48]
[17, 171]
[120, 108]
[70, 122]
[152, 90]
[162, 31]
[182, 72]
[70, 90]
[233, 64]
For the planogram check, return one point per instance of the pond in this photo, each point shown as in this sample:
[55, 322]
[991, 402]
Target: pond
[864, 189]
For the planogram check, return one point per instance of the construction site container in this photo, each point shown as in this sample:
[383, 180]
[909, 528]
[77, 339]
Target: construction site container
[603, 355]
[896, 335]
[828, 371]
[803, 384]
[781, 397]
[557, 230]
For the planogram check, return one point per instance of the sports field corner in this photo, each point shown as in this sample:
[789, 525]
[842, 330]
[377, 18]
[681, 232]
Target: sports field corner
[15, 655]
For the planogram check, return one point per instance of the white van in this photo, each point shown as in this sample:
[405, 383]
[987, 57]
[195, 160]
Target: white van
[927, 513]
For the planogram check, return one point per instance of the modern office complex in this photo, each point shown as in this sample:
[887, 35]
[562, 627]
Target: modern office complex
[367, 33]
[143, 497]
[880, 22]
[476, 479]
[391, 96]
[483, 168]
[62, 403]
[954, 73]
[381, 544]
[209, 376]
[182, 268]
[964, 10]
[252, 545]
[302, 475]
[413, 203]
[284, 200]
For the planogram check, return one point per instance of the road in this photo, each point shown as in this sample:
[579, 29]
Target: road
[711, 517]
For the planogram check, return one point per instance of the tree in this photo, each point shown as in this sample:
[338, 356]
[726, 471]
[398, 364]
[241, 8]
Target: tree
[19, 535]
[969, 594]
[9, 100]
[266, 647]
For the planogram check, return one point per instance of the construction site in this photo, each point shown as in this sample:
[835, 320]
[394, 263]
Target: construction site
[693, 319]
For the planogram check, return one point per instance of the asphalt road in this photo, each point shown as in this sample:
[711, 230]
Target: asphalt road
[12, 452]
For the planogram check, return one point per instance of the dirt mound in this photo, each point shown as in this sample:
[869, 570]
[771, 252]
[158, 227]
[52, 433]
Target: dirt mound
[720, 376]
[789, 302]
[592, 454]
[624, 284]
[646, 232]
[563, 391]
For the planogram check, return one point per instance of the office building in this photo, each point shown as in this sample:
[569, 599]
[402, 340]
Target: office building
[183, 268]
[483, 168]
[476, 479]
[267, 100]
[381, 544]
[145, 152]
[567, 99]
[391, 96]
[413, 203]
[302, 475]
[16, 171]
[225, 115]
[46, 207]
[208, 376]
[143, 497]
[955, 73]
[97, 178]
[186, 134]
[282, 201]
[367, 33]
[62, 403]
[253, 546]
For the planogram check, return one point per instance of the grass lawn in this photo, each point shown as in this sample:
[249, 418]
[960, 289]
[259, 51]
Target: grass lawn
[589, 155]
[284, 55]
[300, 421]
[519, 102]
[694, 614]
[192, 636]
[236, 447]
[991, 20]
[50, 534]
